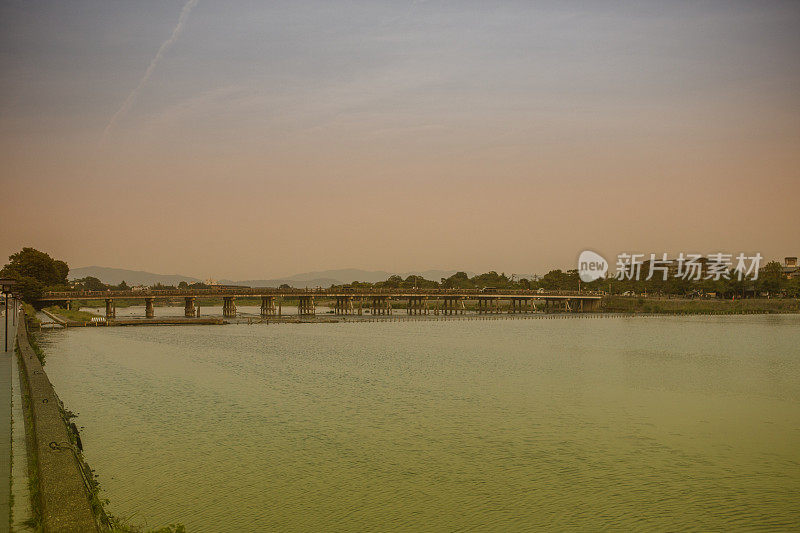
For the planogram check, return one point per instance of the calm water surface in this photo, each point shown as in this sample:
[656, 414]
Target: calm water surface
[586, 423]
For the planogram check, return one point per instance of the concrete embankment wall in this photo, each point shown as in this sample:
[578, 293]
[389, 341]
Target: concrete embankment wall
[64, 498]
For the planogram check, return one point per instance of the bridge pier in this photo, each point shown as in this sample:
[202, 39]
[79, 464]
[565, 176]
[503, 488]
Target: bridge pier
[267, 306]
[149, 312]
[229, 306]
[306, 306]
[188, 308]
[111, 309]
[453, 306]
[417, 306]
[344, 305]
[591, 305]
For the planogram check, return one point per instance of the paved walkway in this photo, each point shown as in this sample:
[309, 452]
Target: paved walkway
[5, 416]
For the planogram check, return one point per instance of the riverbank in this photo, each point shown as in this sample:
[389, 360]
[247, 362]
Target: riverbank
[62, 493]
[63, 489]
[685, 306]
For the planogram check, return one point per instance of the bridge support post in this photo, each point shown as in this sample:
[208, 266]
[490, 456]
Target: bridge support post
[111, 309]
[188, 309]
[267, 306]
[360, 306]
[229, 307]
[149, 312]
[305, 306]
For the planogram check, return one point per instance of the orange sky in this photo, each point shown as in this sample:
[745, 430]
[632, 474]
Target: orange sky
[275, 140]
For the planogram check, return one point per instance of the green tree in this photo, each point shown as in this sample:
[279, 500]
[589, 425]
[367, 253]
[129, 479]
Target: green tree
[490, 279]
[123, 286]
[459, 280]
[37, 265]
[29, 289]
[34, 271]
[90, 283]
[771, 278]
[392, 283]
[793, 287]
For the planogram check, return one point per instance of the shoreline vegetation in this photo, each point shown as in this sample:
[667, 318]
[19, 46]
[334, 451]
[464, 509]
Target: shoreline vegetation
[72, 314]
[683, 306]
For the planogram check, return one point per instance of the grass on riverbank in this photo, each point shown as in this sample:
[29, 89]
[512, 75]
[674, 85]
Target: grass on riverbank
[622, 304]
[72, 314]
[31, 321]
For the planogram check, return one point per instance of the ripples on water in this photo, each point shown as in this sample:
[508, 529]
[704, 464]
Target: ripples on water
[621, 423]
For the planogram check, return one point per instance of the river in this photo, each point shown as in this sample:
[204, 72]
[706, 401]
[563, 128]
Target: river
[583, 423]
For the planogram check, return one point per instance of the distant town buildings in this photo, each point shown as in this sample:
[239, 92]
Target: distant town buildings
[790, 267]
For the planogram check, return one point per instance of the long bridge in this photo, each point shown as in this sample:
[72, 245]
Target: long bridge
[349, 301]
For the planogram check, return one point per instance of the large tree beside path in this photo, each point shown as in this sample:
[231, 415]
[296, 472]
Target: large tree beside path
[34, 271]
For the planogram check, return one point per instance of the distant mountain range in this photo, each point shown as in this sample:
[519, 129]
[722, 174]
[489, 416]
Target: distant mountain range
[115, 276]
[324, 278]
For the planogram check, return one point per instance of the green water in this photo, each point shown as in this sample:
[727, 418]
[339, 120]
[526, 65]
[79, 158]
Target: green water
[583, 424]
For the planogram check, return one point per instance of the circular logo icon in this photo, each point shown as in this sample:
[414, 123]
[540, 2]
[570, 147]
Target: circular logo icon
[591, 266]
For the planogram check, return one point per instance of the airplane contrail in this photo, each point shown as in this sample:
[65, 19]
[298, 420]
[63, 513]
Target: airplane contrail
[187, 8]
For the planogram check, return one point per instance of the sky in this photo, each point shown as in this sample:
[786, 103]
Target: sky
[251, 139]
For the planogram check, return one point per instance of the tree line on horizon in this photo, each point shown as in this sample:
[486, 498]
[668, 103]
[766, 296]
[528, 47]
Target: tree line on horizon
[36, 272]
